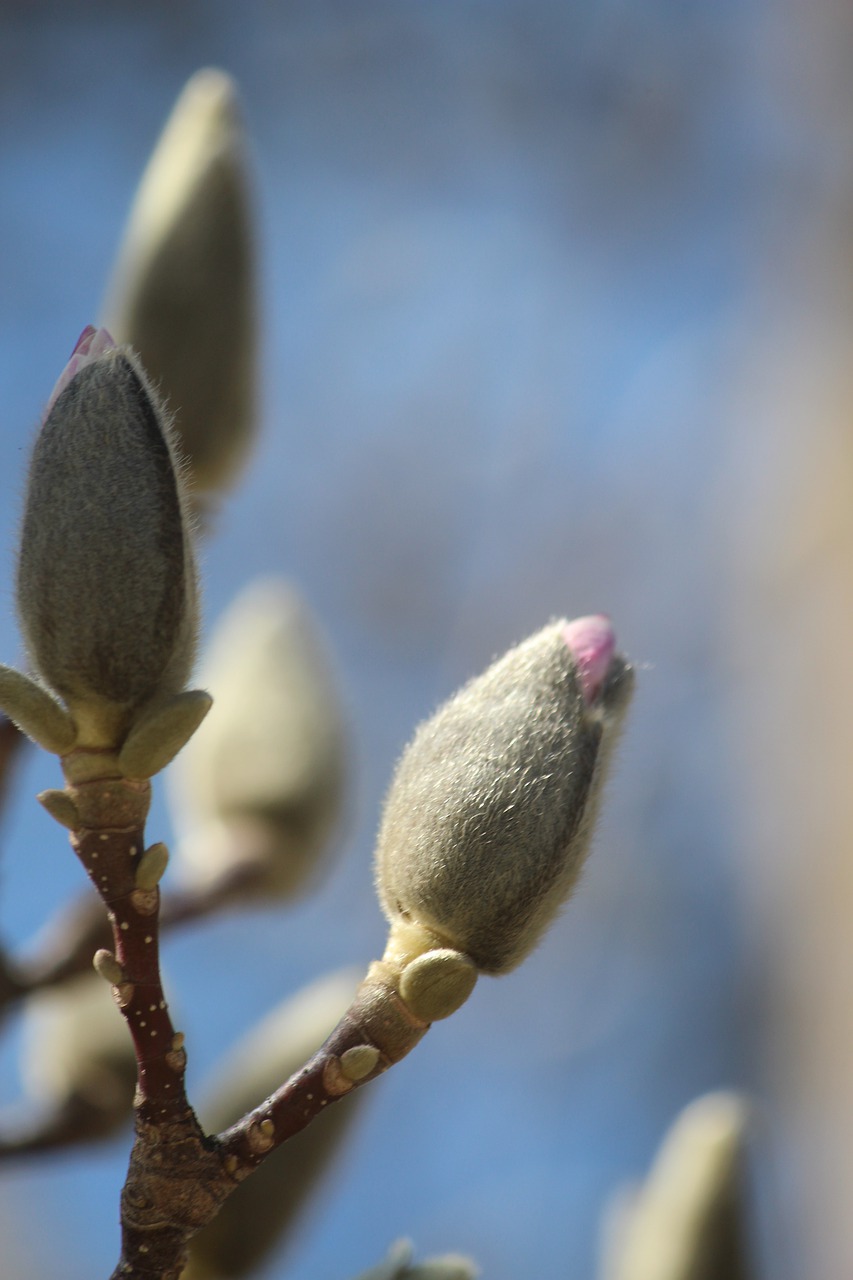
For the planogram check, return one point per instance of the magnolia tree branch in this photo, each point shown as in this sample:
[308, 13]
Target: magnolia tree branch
[377, 1031]
[172, 1164]
[178, 1176]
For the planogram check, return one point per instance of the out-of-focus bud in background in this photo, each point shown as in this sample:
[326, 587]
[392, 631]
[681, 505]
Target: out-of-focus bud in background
[78, 1063]
[489, 816]
[258, 793]
[183, 290]
[399, 1266]
[106, 583]
[258, 1216]
[686, 1221]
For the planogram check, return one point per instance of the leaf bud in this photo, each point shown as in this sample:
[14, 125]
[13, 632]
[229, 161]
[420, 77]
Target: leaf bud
[437, 983]
[106, 580]
[35, 712]
[183, 291]
[490, 812]
[260, 785]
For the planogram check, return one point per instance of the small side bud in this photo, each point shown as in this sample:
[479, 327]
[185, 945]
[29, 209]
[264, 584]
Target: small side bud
[177, 1054]
[105, 964]
[260, 1136]
[260, 786]
[61, 808]
[160, 733]
[183, 292]
[35, 712]
[152, 866]
[437, 983]
[358, 1062]
[490, 812]
[106, 580]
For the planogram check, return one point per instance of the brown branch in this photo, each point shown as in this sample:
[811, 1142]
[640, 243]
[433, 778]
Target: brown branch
[377, 1031]
[175, 1180]
[178, 1177]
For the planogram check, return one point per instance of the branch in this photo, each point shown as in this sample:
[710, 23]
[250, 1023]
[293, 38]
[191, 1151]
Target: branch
[175, 1179]
[377, 1031]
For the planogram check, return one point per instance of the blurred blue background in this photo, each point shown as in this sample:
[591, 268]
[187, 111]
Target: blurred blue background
[504, 248]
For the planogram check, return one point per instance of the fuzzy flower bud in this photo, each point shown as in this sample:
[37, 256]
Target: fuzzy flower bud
[490, 812]
[183, 291]
[260, 787]
[106, 580]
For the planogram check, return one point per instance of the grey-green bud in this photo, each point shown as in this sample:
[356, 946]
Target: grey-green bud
[183, 292]
[685, 1222]
[490, 812]
[106, 579]
[260, 785]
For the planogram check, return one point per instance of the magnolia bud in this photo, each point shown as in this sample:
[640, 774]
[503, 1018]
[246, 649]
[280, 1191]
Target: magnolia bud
[489, 814]
[260, 786]
[685, 1222]
[183, 289]
[257, 1215]
[78, 1055]
[106, 580]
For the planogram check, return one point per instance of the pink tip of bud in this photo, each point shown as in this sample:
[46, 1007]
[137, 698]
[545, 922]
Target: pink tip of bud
[592, 644]
[91, 344]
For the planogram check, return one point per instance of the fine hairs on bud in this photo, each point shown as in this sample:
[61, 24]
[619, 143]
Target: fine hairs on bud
[106, 580]
[489, 815]
[183, 292]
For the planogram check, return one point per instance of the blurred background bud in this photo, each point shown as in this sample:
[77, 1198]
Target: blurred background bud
[78, 1063]
[258, 792]
[258, 1216]
[183, 290]
[106, 578]
[488, 818]
[686, 1221]
[399, 1266]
